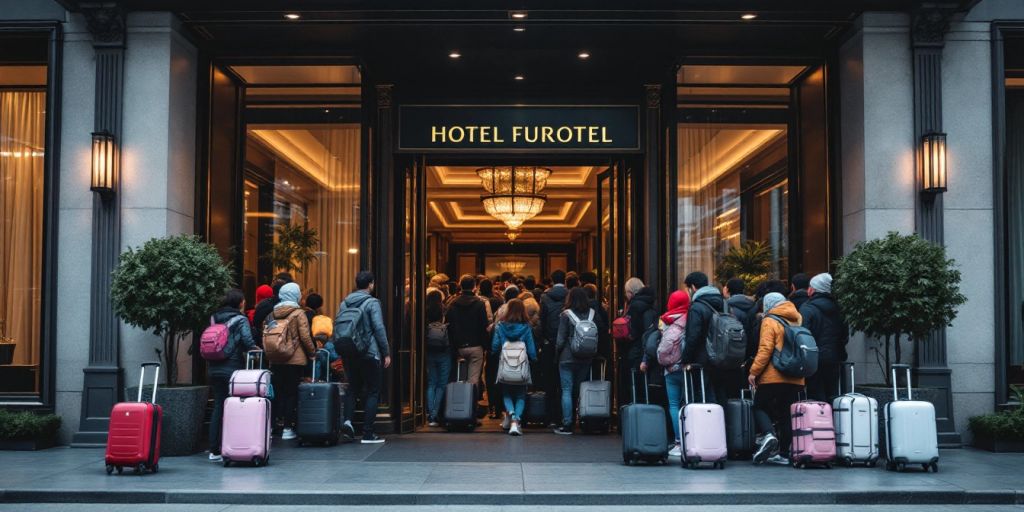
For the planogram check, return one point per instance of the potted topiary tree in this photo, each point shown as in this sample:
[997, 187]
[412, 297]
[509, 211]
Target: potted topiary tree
[1001, 431]
[895, 287]
[751, 262]
[170, 286]
[26, 430]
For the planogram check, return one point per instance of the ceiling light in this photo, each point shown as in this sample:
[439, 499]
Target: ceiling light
[512, 265]
[749, 16]
[519, 28]
[454, 54]
[292, 16]
[512, 234]
[517, 15]
[513, 193]
[584, 55]
[520, 77]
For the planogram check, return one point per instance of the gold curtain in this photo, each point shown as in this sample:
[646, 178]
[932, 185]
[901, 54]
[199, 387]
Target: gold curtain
[695, 200]
[22, 122]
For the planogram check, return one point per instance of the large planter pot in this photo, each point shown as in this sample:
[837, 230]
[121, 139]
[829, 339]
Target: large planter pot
[999, 445]
[883, 394]
[183, 417]
[7, 353]
[27, 444]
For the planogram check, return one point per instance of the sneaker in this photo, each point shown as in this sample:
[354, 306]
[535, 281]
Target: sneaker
[563, 431]
[433, 423]
[514, 429]
[372, 438]
[348, 431]
[288, 434]
[768, 446]
[778, 459]
[215, 457]
[676, 451]
[506, 421]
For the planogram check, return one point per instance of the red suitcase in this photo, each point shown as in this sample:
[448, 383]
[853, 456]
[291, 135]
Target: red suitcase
[134, 436]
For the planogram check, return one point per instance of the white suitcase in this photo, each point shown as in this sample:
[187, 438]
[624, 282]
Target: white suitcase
[856, 422]
[911, 435]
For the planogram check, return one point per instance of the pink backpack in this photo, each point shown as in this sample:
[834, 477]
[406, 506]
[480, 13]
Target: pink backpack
[670, 348]
[214, 340]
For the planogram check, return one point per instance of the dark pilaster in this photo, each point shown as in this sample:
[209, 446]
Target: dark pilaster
[651, 230]
[930, 23]
[388, 208]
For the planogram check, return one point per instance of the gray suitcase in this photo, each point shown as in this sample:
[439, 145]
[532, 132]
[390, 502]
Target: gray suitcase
[910, 432]
[644, 430]
[459, 403]
[595, 406]
[855, 417]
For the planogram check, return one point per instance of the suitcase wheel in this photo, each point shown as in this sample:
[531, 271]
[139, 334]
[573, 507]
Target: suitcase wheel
[227, 462]
[257, 461]
[933, 466]
[900, 467]
[626, 459]
[120, 469]
[871, 463]
[139, 469]
[155, 468]
[110, 469]
[828, 465]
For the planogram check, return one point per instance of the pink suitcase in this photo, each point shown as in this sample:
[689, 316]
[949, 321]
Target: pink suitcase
[251, 381]
[701, 428]
[814, 434]
[246, 436]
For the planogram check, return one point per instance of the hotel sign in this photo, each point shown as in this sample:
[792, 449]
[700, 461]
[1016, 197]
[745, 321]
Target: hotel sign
[518, 128]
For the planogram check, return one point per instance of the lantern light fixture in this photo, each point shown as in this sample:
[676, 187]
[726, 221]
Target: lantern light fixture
[933, 163]
[104, 163]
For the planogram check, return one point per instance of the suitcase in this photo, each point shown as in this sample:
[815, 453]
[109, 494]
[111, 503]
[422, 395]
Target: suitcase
[246, 429]
[739, 426]
[701, 427]
[319, 407]
[644, 430]
[814, 436]
[536, 411]
[460, 403]
[855, 418]
[133, 439]
[595, 405]
[911, 435]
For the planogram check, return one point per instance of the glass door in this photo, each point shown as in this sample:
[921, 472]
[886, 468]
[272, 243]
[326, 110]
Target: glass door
[409, 359]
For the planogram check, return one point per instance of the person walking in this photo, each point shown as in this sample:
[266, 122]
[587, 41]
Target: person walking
[552, 302]
[821, 316]
[775, 391]
[514, 326]
[288, 369]
[705, 300]
[574, 367]
[673, 327]
[365, 370]
[218, 372]
[438, 354]
[467, 328]
[499, 305]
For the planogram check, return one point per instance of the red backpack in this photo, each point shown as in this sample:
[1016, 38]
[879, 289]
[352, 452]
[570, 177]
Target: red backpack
[214, 340]
[620, 329]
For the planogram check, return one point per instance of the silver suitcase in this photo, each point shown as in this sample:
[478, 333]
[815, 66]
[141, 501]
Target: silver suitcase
[856, 422]
[911, 435]
[595, 405]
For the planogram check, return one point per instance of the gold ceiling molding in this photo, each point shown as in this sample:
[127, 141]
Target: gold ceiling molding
[723, 152]
[303, 151]
[466, 176]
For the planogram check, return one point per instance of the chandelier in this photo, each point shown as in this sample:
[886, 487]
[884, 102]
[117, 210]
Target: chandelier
[512, 234]
[513, 266]
[513, 193]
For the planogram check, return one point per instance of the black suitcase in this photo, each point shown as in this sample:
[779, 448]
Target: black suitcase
[644, 430]
[536, 412]
[319, 407]
[459, 403]
[739, 426]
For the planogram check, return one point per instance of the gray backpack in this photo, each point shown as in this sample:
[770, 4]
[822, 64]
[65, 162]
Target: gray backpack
[514, 364]
[726, 343]
[583, 344]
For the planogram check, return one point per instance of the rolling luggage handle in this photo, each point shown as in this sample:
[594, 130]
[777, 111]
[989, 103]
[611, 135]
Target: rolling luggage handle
[647, 397]
[249, 357]
[686, 388]
[853, 387]
[156, 379]
[604, 366]
[327, 362]
[895, 393]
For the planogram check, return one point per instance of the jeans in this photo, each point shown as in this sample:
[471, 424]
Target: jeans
[571, 374]
[219, 386]
[771, 412]
[674, 389]
[823, 386]
[286, 379]
[515, 400]
[364, 378]
[494, 390]
[439, 366]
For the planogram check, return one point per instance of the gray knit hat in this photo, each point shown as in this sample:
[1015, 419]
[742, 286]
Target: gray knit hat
[771, 300]
[822, 283]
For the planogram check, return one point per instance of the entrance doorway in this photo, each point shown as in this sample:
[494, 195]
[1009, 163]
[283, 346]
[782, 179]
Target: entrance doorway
[583, 227]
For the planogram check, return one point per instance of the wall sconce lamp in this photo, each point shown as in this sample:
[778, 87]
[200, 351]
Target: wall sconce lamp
[933, 163]
[104, 163]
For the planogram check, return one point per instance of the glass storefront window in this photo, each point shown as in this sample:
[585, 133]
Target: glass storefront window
[22, 152]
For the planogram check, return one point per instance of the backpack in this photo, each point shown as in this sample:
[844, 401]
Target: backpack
[584, 336]
[213, 344]
[799, 354]
[670, 348]
[437, 336]
[620, 329]
[351, 333]
[514, 364]
[726, 342]
[322, 324]
[277, 345]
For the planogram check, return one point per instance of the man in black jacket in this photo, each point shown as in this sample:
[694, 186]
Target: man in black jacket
[743, 308]
[798, 286]
[822, 317]
[705, 300]
[551, 304]
[467, 329]
[266, 307]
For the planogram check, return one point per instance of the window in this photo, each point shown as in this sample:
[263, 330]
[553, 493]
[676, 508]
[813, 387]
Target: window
[23, 100]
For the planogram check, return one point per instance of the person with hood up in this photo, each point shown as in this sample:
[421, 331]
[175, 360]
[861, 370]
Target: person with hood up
[705, 300]
[263, 292]
[775, 391]
[514, 326]
[821, 316]
[219, 372]
[287, 375]
[673, 328]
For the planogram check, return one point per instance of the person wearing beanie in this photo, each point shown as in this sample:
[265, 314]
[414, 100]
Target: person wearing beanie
[822, 316]
[776, 392]
[287, 373]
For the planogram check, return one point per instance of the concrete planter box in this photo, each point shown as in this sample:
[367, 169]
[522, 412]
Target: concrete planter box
[999, 445]
[183, 417]
[27, 444]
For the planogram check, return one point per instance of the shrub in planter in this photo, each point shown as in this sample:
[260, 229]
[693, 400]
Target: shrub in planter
[24, 430]
[1001, 431]
[897, 286]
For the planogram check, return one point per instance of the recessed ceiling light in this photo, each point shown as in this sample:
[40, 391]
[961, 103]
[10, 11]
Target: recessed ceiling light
[519, 28]
[520, 77]
[584, 55]
[517, 15]
[454, 54]
[749, 16]
[292, 16]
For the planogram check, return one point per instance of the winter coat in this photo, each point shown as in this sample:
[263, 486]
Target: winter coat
[642, 315]
[514, 331]
[551, 305]
[240, 341]
[259, 315]
[298, 328]
[822, 317]
[705, 302]
[467, 321]
[773, 335]
[566, 329]
[742, 307]
[798, 298]
[379, 348]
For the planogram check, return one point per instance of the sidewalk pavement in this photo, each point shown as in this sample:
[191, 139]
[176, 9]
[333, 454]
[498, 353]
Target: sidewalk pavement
[495, 469]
